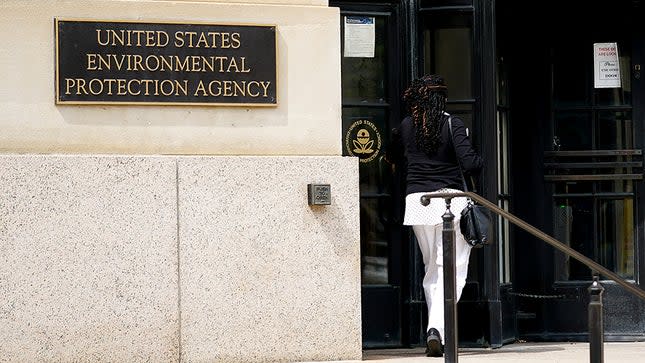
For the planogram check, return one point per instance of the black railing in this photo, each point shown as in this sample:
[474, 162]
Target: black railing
[596, 332]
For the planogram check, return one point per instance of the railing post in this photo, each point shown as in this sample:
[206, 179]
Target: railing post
[596, 328]
[449, 286]
[595, 315]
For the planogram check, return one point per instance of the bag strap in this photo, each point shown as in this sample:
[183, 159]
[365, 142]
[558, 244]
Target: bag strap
[454, 147]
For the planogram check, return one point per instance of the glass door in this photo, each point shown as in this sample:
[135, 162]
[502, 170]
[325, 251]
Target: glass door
[579, 107]
[370, 60]
[593, 165]
[447, 37]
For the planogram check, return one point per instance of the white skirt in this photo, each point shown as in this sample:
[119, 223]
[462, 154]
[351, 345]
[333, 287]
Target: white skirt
[417, 214]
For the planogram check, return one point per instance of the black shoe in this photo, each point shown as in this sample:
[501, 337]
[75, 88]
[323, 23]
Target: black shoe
[434, 348]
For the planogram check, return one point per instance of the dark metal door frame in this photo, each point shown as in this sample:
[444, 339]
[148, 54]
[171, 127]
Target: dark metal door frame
[385, 321]
[552, 309]
[493, 310]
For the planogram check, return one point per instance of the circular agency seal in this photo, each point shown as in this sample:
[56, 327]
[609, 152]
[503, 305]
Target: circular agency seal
[363, 140]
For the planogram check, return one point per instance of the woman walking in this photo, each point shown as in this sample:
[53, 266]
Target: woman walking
[431, 154]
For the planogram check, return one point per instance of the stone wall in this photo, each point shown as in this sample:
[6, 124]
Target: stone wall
[160, 258]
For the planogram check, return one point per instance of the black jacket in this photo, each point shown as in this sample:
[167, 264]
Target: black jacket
[426, 173]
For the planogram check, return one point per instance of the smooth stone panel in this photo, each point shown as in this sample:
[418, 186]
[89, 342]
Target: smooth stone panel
[265, 277]
[88, 259]
[306, 120]
[257, 2]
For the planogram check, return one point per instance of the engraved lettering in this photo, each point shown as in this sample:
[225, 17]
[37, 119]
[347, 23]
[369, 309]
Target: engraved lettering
[123, 62]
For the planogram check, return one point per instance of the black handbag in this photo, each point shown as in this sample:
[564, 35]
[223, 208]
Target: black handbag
[475, 224]
[475, 221]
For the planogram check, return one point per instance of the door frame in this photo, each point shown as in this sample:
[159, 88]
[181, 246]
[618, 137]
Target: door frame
[563, 304]
[385, 323]
[495, 310]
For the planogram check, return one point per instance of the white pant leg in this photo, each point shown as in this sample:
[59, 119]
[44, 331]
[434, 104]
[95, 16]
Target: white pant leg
[430, 242]
[425, 240]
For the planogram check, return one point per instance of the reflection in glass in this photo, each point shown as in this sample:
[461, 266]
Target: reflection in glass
[452, 34]
[374, 251]
[573, 129]
[616, 242]
[615, 130]
[617, 186]
[611, 244]
[435, 3]
[362, 78]
[572, 218]
[573, 187]
[571, 75]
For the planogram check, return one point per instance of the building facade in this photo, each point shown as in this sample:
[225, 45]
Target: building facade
[147, 214]
[166, 203]
[551, 92]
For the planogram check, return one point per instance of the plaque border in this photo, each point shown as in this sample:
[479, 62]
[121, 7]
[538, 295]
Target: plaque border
[154, 103]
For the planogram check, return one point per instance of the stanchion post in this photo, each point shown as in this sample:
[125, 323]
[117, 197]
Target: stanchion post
[596, 328]
[449, 286]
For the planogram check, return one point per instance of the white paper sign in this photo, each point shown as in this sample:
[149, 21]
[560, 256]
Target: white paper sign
[606, 68]
[359, 36]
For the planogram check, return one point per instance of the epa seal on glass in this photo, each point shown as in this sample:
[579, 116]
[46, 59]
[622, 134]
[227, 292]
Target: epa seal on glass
[363, 140]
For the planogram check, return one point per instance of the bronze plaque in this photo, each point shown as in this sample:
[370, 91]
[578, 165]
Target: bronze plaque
[100, 62]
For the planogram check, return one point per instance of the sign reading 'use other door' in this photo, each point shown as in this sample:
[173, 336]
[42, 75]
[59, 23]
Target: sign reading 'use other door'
[165, 63]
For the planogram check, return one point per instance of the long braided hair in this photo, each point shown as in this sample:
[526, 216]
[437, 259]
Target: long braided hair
[426, 102]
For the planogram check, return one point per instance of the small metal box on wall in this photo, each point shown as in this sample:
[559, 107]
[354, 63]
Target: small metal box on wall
[319, 194]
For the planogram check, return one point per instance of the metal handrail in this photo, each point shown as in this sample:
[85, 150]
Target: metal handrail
[595, 320]
[593, 265]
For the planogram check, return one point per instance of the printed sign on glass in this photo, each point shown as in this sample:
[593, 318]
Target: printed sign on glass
[360, 36]
[606, 65]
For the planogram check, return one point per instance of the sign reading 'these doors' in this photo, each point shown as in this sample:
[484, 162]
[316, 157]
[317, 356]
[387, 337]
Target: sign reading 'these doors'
[606, 65]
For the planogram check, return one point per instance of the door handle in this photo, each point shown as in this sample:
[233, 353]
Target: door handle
[637, 71]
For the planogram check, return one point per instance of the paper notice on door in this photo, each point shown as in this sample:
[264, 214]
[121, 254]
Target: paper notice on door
[359, 37]
[606, 65]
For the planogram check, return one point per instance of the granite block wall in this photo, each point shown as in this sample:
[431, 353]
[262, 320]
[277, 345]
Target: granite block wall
[88, 259]
[163, 258]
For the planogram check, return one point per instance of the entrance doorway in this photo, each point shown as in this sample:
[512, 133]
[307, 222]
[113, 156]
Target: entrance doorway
[371, 88]
[383, 47]
[561, 153]
[576, 141]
